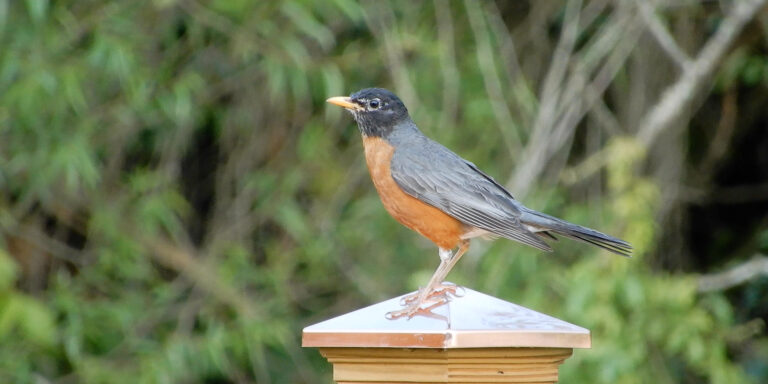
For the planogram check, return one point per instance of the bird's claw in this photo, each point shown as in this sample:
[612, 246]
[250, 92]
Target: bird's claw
[444, 291]
[419, 303]
[414, 309]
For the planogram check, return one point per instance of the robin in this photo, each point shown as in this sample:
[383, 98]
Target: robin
[448, 200]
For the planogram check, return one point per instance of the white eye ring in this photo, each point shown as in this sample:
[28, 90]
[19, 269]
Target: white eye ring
[374, 104]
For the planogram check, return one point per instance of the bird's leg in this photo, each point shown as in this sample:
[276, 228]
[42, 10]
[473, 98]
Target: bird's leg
[445, 256]
[436, 292]
[437, 281]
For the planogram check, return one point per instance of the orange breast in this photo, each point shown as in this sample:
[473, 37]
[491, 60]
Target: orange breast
[430, 222]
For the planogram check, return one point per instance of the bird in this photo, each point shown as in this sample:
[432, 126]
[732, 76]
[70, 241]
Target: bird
[445, 198]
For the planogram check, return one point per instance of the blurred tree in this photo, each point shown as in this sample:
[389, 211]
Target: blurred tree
[177, 201]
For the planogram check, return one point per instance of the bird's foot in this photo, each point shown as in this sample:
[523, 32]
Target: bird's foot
[422, 308]
[422, 303]
[444, 291]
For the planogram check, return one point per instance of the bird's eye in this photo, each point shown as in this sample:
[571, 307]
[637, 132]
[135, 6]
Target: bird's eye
[374, 104]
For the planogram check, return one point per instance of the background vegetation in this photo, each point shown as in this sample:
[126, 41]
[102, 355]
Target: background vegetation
[177, 201]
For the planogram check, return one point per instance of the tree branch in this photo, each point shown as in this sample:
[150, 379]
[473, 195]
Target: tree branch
[491, 78]
[661, 34]
[678, 97]
[191, 267]
[588, 79]
[737, 275]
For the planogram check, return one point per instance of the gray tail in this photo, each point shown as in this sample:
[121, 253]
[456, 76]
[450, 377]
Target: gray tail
[551, 224]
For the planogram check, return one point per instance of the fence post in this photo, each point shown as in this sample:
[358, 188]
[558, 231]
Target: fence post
[475, 338]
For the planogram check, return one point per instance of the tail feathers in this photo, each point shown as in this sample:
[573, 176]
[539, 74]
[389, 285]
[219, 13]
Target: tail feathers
[546, 235]
[548, 224]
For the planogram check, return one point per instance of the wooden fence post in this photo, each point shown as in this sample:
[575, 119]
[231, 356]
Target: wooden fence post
[475, 338]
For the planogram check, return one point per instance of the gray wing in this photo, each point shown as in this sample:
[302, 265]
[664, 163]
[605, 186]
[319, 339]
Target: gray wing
[439, 177]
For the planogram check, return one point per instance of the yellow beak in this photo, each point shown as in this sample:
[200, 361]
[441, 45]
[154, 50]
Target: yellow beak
[343, 101]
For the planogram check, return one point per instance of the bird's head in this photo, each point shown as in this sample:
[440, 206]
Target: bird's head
[376, 110]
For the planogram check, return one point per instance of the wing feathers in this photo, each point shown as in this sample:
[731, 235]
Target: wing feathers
[433, 174]
[444, 180]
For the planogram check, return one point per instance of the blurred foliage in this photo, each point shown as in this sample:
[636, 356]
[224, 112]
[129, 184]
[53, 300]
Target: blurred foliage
[178, 201]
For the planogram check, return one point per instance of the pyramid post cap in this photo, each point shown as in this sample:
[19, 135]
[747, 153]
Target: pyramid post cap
[473, 320]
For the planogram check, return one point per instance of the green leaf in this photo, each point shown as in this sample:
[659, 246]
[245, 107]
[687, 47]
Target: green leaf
[37, 9]
[8, 271]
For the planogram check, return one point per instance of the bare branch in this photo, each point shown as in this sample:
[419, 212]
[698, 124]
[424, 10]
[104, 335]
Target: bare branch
[380, 19]
[726, 128]
[491, 77]
[192, 268]
[557, 71]
[680, 95]
[757, 266]
[507, 49]
[660, 32]
[448, 67]
[588, 79]
[36, 238]
[534, 156]
[738, 194]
